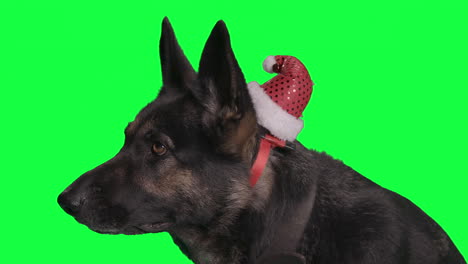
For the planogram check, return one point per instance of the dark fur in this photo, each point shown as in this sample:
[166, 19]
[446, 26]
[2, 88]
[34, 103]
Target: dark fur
[199, 192]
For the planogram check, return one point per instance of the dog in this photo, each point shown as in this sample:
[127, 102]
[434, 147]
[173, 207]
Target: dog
[184, 168]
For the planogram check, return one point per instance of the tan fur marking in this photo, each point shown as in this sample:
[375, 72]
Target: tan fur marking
[171, 180]
[243, 195]
[241, 139]
[262, 190]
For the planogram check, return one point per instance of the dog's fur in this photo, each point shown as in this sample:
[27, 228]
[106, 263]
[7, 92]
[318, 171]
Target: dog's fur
[199, 189]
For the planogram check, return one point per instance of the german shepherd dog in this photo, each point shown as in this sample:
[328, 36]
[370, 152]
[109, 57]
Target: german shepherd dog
[185, 165]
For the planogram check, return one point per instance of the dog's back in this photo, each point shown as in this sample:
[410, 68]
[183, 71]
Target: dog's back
[355, 220]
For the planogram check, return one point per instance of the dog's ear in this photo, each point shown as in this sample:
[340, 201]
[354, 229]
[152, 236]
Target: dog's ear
[223, 92]
[220, 75]
[177, 72]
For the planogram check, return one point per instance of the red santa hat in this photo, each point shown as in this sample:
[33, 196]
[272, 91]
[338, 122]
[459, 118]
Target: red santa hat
[280, 101]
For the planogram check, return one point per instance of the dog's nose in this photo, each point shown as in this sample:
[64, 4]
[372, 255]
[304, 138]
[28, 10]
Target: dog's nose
[69, 203]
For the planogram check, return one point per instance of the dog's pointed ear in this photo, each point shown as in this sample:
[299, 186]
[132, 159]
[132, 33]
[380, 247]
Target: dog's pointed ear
[177, 72]
[223, 90]
[220, 73]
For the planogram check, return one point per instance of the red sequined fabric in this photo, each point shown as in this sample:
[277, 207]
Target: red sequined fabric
[292, 87]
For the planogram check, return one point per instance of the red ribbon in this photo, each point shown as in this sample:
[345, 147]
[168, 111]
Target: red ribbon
[267, 143]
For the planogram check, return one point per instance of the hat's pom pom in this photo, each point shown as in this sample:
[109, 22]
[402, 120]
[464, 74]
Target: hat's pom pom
[268, 64]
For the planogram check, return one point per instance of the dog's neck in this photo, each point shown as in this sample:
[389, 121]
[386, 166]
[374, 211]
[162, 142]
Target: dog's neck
[251, 228]
[230, 237]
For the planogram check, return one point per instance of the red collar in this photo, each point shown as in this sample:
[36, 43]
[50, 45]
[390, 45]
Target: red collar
[267, 143]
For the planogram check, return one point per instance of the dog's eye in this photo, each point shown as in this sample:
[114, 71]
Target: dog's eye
[159, 149]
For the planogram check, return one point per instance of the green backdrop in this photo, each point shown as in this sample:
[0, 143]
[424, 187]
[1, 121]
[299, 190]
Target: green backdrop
[390, 100]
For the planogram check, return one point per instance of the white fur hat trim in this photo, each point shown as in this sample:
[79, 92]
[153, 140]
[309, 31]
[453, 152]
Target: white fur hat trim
[271, 116]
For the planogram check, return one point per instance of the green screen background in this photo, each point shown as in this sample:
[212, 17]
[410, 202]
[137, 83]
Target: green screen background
[390, 100]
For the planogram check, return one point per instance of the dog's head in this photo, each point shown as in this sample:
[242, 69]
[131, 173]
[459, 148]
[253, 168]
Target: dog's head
[187, 154]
